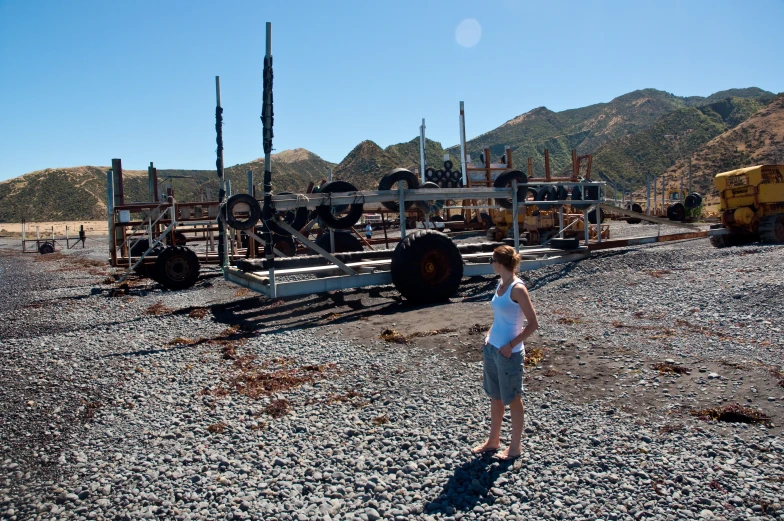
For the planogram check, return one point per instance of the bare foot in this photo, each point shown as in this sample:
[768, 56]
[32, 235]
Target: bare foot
[508, 454]
[486, 447]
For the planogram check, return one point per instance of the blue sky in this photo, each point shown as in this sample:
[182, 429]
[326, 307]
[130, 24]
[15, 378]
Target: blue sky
[85, 81]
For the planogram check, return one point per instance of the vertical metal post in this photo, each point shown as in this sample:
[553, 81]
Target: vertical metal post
[24, 236]
[223, 238]
[228, 188]
[587, 223]
[422, 151]
[648, 194]
[664, 209]
[150, 182]
[690, 185]
[560, 222]
[110, 216]
[119, 195]
[515, 211]
[401, 202]
[463, 144]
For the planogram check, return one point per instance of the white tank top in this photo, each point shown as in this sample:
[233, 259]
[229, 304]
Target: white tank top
[508, 318]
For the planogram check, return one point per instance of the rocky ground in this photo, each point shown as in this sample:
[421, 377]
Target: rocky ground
[211, 403]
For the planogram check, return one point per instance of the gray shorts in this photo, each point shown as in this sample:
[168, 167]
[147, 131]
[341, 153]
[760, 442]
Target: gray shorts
[503, 377]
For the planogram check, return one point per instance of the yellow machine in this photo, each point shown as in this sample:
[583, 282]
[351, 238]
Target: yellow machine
[751, 205]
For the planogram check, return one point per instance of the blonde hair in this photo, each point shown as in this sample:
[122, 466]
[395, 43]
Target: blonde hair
[507, 257]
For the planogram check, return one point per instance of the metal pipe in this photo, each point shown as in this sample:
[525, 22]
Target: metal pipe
[110, 217]
[463, 143]
[402, 211]
[223, 239]
[422, 151]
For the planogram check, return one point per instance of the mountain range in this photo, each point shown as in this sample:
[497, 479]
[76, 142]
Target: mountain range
[645, 132]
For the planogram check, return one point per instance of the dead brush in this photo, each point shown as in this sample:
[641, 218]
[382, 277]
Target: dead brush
[217, 428]
[477, 328]
[351, 397]
[569, 321]
[733, 413]
[533, 356]
[381, 420]
[666, 368]
[89, 409]
[198, 313]
[391, 335]
[668, 429]
[158, 309]
[254, 381]
[432, 332]
[658, 273]
[278, 408]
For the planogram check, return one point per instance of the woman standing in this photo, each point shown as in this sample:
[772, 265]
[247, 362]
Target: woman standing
[504, 352]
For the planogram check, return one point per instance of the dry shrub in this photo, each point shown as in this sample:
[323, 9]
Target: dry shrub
[390, 335]
[533, 355]
[158, 309]
[665, 368]
[733, 413]
[242, 292]
[551, 372]
[217, 428]
[667, 429]
[198, 313]
[658, 273]
[50, 257]
[217, 391]
[477, 328]
[381, 420]
[180, 341]
[569, 320]
[277, 408]
[254, 381]
[89, 409]
[353, 397]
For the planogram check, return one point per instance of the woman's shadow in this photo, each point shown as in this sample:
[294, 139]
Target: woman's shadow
[470, 485]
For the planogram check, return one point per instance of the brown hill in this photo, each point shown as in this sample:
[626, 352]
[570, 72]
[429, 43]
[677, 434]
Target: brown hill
[758, 140]
[366, 165]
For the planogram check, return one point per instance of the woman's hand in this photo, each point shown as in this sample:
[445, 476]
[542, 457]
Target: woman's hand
[506, 350]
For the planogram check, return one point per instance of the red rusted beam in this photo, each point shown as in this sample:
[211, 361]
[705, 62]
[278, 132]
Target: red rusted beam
[636, 241]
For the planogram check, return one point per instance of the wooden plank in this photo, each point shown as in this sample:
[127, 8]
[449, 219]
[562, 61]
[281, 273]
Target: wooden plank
[649, 218]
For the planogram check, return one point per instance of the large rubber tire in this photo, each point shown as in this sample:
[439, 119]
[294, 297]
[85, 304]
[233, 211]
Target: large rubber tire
[430, 207]
[547, 193]
[394, 177]
[176, 239]
[561, 193]
[242, 203]
[46, 248]
[325, 211]
[592, 216]
[138, 249]
[504, 180]
[296, 218]
[456, 218]
[676, 212]
[732, 239]
[345, 242]
[771, 229]
[692, 201]
[577, 195]
[635, 208]
[571, 243]
[177, 267]
[426, 267]
[285, 244]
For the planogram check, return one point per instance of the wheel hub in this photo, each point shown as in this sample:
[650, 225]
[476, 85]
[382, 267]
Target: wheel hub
[177, 269]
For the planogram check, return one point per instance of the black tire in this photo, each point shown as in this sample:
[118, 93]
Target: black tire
[561, 193]
[46, 248]
[345, 242]
[592, 216]
[577, 195]
[692, 201]
[426, 267]
[571, 243]
[456, 218]
[504, 180]
[296, 218]
[325, 211]
[430, 174]
[676, 212]
[176, 239]
[285, 244]
[138, 249]
[771, 229]
[591, 193]
[242, 204]
[487, 219]
[635, 208]
[448, 165]
[430, 207]
[391, 179]
[177, 267]
[547, 193]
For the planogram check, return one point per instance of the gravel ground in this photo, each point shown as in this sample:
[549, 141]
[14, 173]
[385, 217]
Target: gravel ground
[211, 404]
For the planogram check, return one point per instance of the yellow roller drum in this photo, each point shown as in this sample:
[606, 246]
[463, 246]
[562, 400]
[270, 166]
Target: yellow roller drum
[744, 215]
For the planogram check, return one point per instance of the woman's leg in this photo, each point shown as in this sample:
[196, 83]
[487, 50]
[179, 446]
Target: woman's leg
[515, 447]
[496, 418]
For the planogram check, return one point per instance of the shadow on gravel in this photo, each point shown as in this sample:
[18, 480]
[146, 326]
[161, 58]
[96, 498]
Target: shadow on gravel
[470, 485]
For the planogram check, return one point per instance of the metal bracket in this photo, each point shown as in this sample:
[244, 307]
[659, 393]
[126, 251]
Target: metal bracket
[318, 249]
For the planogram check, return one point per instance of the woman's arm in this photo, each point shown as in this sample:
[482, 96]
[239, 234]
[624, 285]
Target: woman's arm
[523, 299]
